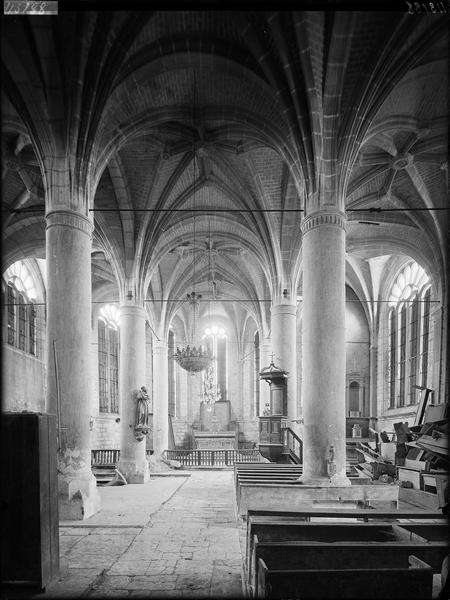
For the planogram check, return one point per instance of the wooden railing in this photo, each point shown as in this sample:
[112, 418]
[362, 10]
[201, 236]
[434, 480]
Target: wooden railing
[213, 458]
[294, 444]
[189, 458]
[104, 457]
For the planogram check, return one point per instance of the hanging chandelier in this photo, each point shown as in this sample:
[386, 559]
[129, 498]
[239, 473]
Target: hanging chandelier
[193, 358]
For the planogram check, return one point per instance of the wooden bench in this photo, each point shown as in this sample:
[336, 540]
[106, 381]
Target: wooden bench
[344, 555]
[272, 529]
[413, 581]
[274, 526]
[103, 465]
[279, 531]
[348, 551]
[265, 470]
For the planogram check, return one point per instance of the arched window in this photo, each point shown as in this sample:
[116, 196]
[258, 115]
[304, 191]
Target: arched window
[424, 342]
[402, 355]
[22, 322]
[216, 340]
[31, 328]
[408, 334]
[21, 310]
[353, 398]
[257, 369]
[171, 375]
[413, 349]
[11, 302]
[392, 361]
[108, 359]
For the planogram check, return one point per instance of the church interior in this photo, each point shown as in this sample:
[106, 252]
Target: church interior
[225, 248]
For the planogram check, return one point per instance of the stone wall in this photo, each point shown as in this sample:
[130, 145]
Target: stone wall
[249, 430]
[106, 432]
[23, 381]
[182, 431]
[357, 352]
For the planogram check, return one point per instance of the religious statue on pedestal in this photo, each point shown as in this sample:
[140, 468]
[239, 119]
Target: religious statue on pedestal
[141, 427]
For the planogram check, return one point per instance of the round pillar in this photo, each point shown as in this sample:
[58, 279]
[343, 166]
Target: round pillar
[323, 349]
[68, 353]
[133, 458]
[373, 382]
[284, 347]
[161, 399]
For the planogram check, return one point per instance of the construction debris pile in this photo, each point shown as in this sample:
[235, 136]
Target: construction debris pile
[411, 457]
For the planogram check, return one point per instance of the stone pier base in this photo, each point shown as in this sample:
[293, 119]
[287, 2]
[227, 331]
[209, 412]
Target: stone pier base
[134, 471]
[78, 497]
[334, 481]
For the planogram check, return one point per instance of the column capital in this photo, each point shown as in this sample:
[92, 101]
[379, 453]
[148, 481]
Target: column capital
[283, 309]
[160, 345]
[68, 218]
[323, 218]
[131, 310]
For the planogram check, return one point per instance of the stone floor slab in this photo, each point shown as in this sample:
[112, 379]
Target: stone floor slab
[171, 537]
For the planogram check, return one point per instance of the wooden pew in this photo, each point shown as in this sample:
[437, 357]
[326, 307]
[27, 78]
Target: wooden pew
[314, 532]
[265, 470]
[301, 555]
[383, 526]
[413, 581]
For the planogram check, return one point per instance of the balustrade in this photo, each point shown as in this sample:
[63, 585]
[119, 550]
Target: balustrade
[213, 458]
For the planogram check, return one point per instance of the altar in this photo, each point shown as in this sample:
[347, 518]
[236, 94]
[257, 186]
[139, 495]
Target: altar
[217, 431]
[223, 440]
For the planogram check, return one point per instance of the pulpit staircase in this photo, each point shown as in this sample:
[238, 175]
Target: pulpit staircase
[292, 452]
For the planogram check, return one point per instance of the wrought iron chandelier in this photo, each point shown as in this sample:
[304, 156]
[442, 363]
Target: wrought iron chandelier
[193, 358]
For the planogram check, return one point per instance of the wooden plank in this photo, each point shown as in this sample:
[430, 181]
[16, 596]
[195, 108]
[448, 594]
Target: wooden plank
[48, 498]
[344, 513]
[408, 474]
[430, 532]
[418, 465]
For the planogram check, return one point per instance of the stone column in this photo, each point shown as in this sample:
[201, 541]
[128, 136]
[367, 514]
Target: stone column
[373, 358]
[265, 356]
[68, 354]
[284, 347]
[323, 349]
[160, 399]
[133, 459]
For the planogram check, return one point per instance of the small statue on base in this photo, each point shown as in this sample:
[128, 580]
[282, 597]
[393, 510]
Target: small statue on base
[141, 427]
[331, 464]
